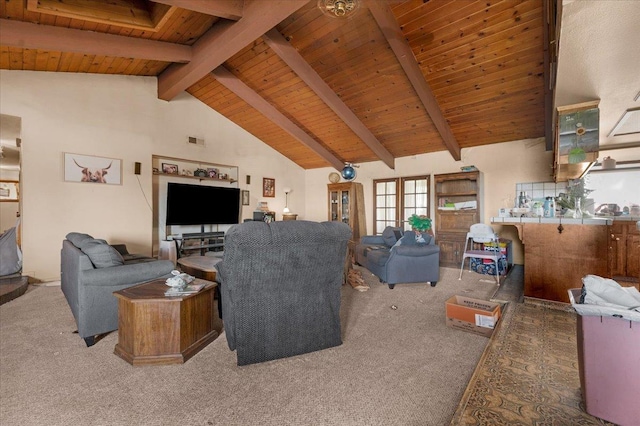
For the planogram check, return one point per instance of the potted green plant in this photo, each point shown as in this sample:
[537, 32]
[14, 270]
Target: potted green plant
[419, 223]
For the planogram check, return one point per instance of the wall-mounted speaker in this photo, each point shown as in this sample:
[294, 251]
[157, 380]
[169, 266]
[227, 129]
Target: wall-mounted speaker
[136, 168]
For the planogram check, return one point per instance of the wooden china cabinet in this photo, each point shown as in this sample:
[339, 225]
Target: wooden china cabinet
[457, 197]
[346, 204]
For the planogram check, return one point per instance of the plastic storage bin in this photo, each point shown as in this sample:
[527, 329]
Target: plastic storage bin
[609, 363]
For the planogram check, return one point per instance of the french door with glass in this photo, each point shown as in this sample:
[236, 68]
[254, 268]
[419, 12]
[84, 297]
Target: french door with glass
[396, 199]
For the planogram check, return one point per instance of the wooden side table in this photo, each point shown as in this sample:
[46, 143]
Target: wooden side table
[203, 267]
[157, 329]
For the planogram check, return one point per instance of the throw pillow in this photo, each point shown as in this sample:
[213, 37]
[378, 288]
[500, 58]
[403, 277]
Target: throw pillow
[101, 254]
[77, 238]
[389, 236]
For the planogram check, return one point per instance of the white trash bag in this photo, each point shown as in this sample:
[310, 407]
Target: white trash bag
[605, 297]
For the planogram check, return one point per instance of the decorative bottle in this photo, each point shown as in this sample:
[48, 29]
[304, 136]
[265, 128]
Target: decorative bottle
[577, 212]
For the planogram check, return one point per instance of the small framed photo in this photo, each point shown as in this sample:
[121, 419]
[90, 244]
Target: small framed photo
[269, 217]
[170, 169]
[89, 168]
[268, 187]
[212, 173]
[9, 190]
[245, 197]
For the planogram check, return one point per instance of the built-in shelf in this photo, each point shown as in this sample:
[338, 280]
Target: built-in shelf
[194, 177]
[186, 169]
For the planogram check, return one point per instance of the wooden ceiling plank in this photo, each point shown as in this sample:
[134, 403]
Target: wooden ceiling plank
[296, 62]
[227, 79]
[499, 32]
[227, 9]
[160, 13]
[35, 36]
[224, 40]
[118, 12]
[29, 59]
[387, 23]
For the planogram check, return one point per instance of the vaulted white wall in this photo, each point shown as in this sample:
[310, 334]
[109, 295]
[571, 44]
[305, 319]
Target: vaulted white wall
[121, 117]
[118, 117]
[502, 166]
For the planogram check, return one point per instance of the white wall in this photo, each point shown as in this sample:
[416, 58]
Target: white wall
[121, 117]
[502, 166]
[118, 117]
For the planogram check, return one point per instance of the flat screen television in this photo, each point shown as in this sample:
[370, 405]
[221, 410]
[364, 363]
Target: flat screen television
[202, 205]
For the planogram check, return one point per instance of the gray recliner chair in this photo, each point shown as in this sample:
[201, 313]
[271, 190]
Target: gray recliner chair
[396, 257]
[91, 270]
[280, 287]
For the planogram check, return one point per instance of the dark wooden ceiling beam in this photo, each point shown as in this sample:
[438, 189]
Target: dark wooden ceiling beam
[231, 82]
[393, 33]
[224, 40]
[297, 63]
[46, 37]
[227, 9]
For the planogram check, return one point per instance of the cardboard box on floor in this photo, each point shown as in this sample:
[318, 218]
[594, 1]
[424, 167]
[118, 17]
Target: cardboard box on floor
[473, 315]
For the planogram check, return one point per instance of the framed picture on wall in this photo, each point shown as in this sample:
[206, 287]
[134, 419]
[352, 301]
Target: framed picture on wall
[9, 190]
[92, 169]
[245, 198]
[268, 187]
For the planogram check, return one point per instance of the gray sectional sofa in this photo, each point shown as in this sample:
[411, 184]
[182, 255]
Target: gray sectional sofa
[91, 270]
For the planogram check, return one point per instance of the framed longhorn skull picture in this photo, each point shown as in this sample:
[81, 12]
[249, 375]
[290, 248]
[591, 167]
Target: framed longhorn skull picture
[92, 169]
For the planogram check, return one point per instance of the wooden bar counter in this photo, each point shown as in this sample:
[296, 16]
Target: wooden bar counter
[559, 252]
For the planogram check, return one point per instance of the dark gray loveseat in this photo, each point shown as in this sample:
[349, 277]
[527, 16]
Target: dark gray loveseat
[91, 270]
[395, 257]
[280, 287]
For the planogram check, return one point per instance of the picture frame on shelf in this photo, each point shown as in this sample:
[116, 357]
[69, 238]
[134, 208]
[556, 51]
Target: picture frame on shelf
[269, 217]
[245, 197]
[170, 169]
[9, 190]
[268, 187]
[212, 172]
[92, 169]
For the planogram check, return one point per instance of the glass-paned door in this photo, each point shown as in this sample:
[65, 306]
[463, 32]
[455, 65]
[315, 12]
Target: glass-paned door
[398, 198]
[385, 210]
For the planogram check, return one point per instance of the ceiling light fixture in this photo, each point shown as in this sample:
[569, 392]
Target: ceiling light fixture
[348, 172]
[339, 8]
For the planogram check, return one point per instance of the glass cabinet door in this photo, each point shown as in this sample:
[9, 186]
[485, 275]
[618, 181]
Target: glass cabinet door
[333, 206]
[345, 207]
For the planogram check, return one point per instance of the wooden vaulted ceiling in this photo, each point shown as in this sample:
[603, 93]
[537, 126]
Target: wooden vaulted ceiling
[399, 78]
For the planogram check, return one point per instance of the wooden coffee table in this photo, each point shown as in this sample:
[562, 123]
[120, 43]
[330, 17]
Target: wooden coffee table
[157, 329]
[200, 266]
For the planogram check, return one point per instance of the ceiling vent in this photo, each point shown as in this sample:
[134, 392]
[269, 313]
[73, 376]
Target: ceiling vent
[629, 124]
[195, 141]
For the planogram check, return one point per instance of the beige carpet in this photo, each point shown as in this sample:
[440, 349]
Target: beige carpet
[396, 367]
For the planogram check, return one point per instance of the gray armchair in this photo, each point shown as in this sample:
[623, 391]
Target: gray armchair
[396, 257]
[280, 287]
[91, 270]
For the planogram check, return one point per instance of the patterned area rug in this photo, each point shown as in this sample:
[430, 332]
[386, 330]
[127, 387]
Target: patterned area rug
[528, 374]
